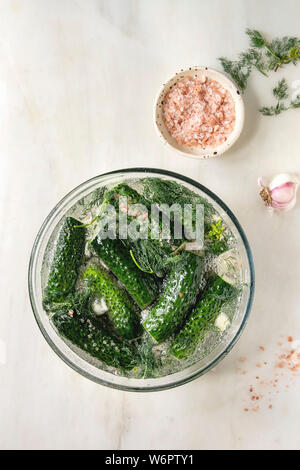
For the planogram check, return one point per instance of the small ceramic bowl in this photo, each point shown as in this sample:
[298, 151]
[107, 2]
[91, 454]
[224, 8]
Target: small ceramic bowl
[198, 152]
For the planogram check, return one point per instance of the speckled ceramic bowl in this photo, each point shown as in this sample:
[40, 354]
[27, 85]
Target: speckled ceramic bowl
[198, 152]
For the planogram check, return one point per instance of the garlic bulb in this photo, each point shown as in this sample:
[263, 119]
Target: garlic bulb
[280, 194]
[99, 306]
[222, 322]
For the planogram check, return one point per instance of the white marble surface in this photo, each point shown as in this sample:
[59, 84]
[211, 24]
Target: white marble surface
[77, 84]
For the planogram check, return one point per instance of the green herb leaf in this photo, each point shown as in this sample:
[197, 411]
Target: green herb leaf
[216, 231]
[295, 53]
[137, 264]
[284, 50]
[238, 70]
[263, 56]
[256, 38]
[253, 58]
[273, 110]
[281, 93]
[281, 90]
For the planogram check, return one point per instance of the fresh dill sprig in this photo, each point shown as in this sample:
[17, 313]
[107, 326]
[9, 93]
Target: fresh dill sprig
[256, 38]
[281, 93]
[216, 231]
[285, 50]
[273, 110]
[241, 69]
[149, 363]
[237, 70]
[92, 201]
[258, 41]
[262, 55]
[279, 51]
[77, 301]
[281, 90]
[254, 58]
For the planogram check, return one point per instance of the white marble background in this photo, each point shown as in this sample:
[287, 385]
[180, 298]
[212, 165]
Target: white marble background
[77, 84]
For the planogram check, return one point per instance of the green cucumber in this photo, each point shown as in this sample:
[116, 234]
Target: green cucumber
[202, 318]
[91, 336]
[66, 261]
[170, 192]
[149, 252]
[121, 311]
[142, 287]
[178, 295]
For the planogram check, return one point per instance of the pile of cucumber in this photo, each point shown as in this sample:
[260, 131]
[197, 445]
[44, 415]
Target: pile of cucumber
[128, 276]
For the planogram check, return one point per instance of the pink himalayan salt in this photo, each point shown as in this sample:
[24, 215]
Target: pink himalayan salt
[199, 112]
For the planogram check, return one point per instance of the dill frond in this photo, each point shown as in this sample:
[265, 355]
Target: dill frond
[281, 93]
[263, 56]
[238, 70]
[281, 90]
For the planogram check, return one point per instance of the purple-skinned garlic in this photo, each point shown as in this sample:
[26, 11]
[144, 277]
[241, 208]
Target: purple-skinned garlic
[280, 194]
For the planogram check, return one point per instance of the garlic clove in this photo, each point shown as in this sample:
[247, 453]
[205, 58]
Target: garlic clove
[222, 322]
[99, 306]
[284, 195]
[283, 178]
[281, 192]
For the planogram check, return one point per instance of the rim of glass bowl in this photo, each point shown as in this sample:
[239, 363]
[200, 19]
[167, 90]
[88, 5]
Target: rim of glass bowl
[32, 290]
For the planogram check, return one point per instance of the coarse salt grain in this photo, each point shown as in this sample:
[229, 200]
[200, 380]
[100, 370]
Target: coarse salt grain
[198, 112]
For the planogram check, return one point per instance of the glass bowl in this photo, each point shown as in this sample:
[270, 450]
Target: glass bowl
[82, 365]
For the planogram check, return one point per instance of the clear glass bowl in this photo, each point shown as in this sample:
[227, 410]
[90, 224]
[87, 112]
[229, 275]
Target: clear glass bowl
[86, 368]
